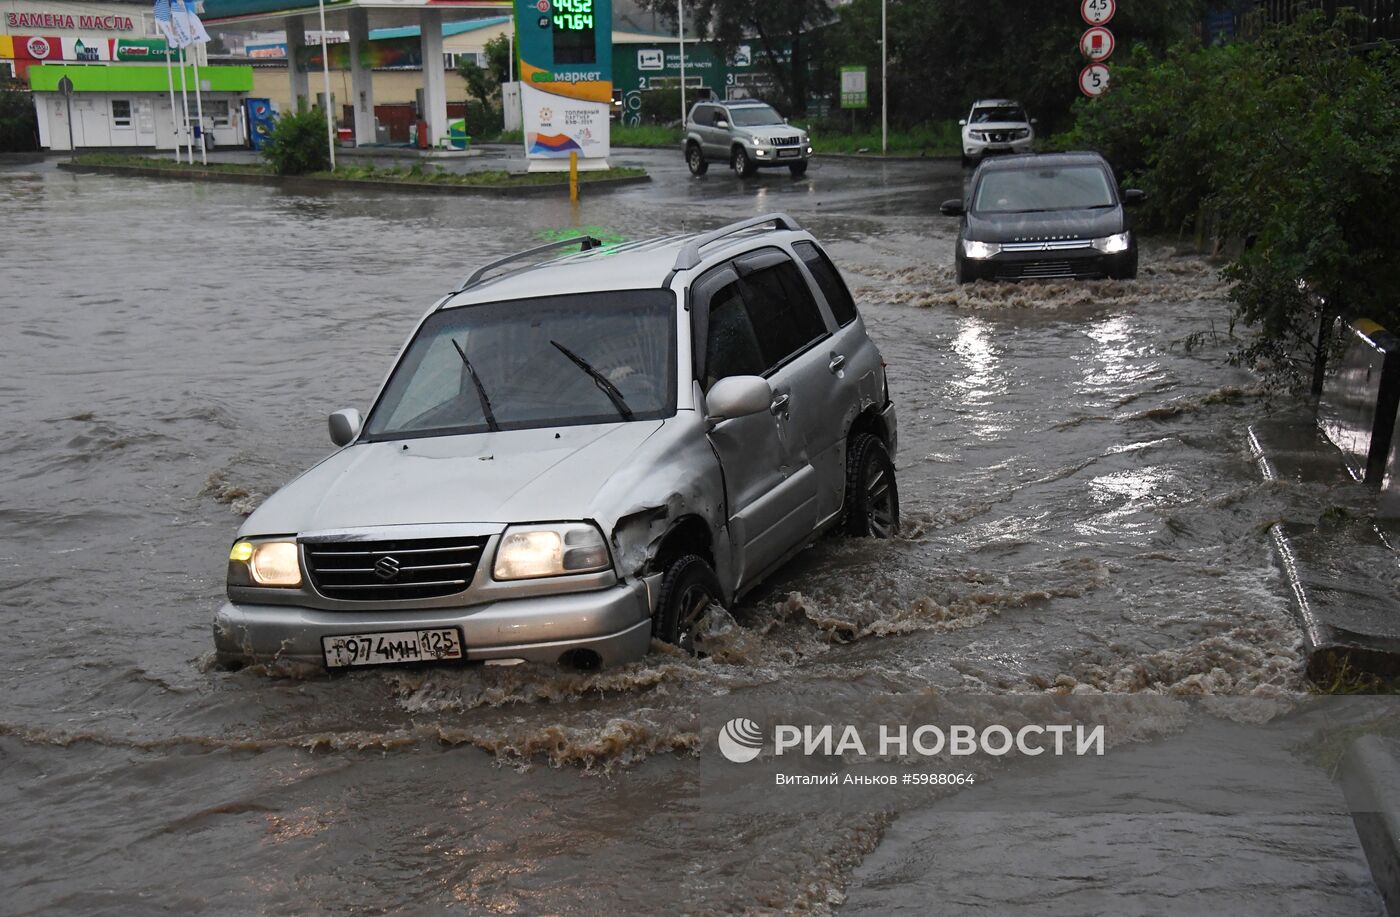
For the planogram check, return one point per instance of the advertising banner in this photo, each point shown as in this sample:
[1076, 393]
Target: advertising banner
[566, 80]
[385, 54]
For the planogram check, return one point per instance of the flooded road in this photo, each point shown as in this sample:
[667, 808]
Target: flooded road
[1082, 522]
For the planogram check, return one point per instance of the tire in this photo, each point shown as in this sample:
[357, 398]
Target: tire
[1129, 272]
[964, 273]
[688, 588]
[798, 169]
[741, 164]
[872, 495]
[695, 159]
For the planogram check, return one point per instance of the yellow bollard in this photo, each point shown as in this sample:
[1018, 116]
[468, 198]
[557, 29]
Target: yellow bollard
[573, 176]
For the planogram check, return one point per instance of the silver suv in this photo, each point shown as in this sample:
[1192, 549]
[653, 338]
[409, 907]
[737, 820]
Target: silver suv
[575, 455]
[745, 133]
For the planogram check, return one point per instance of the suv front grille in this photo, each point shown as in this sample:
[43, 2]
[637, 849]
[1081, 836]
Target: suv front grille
[378, 571]
[1048, 270]
[784, 141]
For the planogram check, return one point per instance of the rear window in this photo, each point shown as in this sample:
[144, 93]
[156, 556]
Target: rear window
[843, 307]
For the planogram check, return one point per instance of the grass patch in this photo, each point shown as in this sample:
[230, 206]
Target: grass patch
[941, 139]
[428, 173]
[423, 172]
[132, 160]
[647, 135]
[1342, 678]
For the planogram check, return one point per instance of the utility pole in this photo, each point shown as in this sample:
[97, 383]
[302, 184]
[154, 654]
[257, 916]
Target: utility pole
[680, 30]
[326, 78]
[884, 94]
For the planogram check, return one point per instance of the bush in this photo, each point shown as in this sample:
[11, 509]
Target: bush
[298, 144]
[19, 127]
[1290, 145]
[482, 120]
[663, 106]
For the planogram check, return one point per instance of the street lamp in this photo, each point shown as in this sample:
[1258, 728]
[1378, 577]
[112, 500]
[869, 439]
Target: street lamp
[680, 30]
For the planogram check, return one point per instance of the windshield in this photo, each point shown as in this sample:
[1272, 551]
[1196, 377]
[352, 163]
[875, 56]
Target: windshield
[755, 115]
[999, 113]
[546, 362]
[1032, 190]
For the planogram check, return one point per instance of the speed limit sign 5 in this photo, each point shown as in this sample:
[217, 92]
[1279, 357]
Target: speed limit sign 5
[1093, 80]
[1097, 12]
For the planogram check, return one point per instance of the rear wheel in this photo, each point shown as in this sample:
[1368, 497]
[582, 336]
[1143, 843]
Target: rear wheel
[872, 496]
[688, 590]
[740, 162]
[798, 169]
[695, 158]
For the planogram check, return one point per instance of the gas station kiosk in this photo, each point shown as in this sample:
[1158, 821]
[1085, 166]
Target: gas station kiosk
[565, 49]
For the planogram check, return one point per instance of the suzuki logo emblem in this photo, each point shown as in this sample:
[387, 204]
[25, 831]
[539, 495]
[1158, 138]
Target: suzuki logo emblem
[386, 568]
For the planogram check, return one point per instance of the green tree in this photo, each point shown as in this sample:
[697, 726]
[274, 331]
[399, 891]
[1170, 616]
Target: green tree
[780, 31]
[498, 62]
[19, 126]
[1291, 147]
[478, 80]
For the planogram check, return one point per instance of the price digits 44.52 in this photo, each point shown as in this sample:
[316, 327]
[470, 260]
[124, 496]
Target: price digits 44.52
[573, 15]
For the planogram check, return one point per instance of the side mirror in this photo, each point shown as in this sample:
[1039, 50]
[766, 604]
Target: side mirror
[962, 122]
[1132, 197]
[345, 426]
[737, 396]
[721, 123]
[952, 207]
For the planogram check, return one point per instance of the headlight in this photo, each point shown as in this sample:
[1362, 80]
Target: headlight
[980, 250]
[1112, 245]
[265, 563]
[527, 552]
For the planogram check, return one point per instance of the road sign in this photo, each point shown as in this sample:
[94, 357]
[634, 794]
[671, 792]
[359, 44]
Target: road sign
[1093, 80]
[853, 88]
[1097, 12]
[1096, 43]
[65, 86]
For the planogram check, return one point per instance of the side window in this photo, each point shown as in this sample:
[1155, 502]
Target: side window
[785, 316]
[843, 307]
[702, 116]
[732, 347]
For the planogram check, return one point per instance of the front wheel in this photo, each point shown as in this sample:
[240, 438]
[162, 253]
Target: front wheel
[742, 165]
[872, 497]
[964, 273]
[688, 590]
[798, 169]
[695, 158]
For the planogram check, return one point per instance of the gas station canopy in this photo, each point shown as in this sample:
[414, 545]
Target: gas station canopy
[272, 14]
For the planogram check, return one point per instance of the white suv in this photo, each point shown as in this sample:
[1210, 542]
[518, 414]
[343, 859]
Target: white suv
[996, 126]
[574, 456]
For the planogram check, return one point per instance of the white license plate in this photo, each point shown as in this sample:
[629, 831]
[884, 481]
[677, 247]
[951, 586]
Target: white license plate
[389, 647]
[789, 152]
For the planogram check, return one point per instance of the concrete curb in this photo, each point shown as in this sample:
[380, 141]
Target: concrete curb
[1370, 778]
[1317, 596]
[303, 182]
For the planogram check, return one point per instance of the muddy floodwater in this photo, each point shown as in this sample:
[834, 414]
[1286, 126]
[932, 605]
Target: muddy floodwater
[1085, 536]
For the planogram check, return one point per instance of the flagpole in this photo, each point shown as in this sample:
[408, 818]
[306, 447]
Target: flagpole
[199, 113]
[326, 74]
[170, 81]
[185, 104]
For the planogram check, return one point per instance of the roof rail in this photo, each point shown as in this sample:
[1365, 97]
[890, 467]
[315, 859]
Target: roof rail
[689, 255]
[587, 243]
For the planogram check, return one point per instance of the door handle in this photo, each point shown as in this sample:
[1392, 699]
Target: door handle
[779, 405]
[837, 361]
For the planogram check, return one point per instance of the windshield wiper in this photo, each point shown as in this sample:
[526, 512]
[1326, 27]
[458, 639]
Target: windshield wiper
[480, 389]
[600, 380]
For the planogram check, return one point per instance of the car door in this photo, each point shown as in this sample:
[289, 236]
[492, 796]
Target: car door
[766, 496]
[852, 381]
[708, 132]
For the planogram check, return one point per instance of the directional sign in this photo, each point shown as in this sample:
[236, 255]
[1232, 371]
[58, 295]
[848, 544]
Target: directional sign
[65, 86]
[1096, 43]
[1097, 12]
[1093, 80]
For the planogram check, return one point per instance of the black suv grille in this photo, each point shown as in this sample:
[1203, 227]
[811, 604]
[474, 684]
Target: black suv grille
[785, 141]
[1048, 270]
[377, 571]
